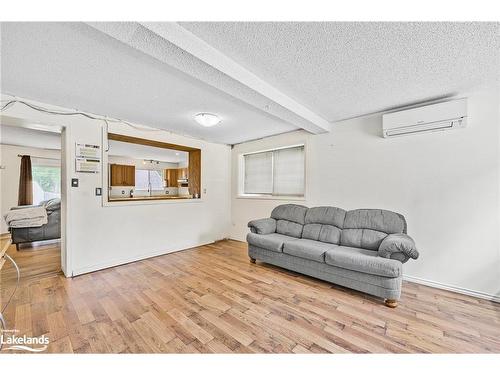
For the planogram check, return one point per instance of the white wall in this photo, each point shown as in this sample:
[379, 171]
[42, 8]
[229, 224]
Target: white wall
[99, 236]
[446, 184]
[9, 174]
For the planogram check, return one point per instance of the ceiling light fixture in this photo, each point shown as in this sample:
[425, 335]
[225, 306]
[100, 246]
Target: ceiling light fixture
[207, 119]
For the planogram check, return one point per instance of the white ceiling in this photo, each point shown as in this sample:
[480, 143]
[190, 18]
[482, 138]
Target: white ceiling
[322, 70]
[75, 66]
[343, 70]
[25, 137]
[142, 152]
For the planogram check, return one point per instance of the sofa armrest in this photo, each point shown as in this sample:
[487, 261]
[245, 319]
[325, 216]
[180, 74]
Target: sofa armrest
[262, 226]
[398, 246]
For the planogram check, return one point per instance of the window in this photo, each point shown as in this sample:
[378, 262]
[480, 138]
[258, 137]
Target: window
[156, 181]
[149, 180]
[46, 182]
[276, 173]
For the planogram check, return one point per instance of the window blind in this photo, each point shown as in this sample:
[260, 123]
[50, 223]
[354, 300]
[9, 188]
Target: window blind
[259, 173]
[289, 171]
[276, 172]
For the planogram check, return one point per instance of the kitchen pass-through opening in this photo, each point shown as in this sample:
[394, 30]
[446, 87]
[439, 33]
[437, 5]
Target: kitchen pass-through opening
[141, 169]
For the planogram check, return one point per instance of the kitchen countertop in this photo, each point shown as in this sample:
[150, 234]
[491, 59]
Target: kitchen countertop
[156, 197]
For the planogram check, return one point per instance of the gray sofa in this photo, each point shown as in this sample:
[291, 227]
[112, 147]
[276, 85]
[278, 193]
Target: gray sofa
[49, 231]
[359, 249]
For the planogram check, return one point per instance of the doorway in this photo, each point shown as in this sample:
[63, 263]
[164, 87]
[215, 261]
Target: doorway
[32, 159]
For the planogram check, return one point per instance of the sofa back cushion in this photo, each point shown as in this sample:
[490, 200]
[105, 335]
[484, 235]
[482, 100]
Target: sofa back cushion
[324, 224]
[366, 228]
[289, 219]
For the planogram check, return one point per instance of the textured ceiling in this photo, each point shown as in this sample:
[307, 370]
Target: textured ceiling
[141, 38]
[336, 70]
[342, 70]
[75, 66]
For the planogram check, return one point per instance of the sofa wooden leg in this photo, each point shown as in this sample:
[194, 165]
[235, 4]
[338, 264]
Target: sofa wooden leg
[391, 303]
[252, 260]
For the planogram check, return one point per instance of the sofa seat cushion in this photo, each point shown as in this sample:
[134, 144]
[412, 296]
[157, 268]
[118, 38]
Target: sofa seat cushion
[307, 249]
[361, 260]
[272, 241]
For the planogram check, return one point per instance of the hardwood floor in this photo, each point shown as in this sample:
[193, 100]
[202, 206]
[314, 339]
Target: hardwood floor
[211, 299]
[38, 259]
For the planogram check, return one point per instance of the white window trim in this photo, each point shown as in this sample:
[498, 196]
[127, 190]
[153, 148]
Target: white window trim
[241, 176]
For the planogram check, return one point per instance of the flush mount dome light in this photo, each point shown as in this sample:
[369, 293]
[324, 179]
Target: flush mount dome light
[207, 119]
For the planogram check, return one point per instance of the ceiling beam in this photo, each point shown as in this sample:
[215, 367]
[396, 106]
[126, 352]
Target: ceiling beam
[187, 41]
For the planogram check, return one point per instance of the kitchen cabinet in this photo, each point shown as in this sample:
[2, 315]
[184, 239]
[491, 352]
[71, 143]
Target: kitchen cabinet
[171, 177]
[122, 175]
[183, 174]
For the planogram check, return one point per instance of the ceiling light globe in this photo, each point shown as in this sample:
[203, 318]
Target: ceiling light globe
[207, 119]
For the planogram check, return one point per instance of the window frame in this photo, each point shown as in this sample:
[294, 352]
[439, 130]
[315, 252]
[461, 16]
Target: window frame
[241, 176]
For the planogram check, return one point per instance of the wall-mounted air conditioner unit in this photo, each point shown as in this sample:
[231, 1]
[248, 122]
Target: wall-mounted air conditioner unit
[429, 118]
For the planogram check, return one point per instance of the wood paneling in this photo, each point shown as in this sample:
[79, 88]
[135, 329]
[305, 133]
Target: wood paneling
[171, 176]
[122, 175]
[212, 299]
[149, 142]
[194, 173]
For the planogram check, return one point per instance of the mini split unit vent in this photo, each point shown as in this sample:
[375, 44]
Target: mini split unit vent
[430, 118]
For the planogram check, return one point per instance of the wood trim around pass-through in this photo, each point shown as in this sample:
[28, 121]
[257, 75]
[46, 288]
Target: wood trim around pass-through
[149, 142]
[194, 158]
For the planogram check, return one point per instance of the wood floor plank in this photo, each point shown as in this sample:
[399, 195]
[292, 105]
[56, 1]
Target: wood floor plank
[113, 311]
[211, 299]
[198, 332]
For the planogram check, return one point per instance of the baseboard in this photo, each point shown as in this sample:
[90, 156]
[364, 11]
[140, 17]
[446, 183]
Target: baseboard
[121, 261]
[452, 288]
[236, 239]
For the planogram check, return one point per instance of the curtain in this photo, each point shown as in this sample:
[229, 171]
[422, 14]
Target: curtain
[25, 182]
